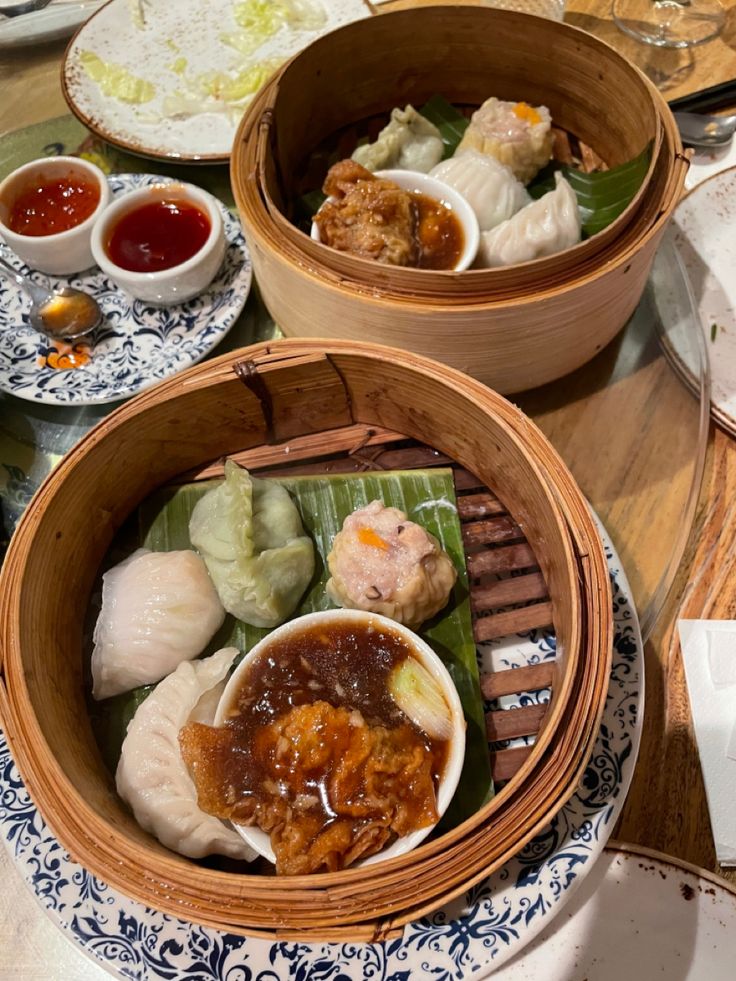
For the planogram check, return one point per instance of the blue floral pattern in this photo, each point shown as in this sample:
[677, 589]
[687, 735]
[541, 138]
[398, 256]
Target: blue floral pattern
[470, 937]
[138, 344]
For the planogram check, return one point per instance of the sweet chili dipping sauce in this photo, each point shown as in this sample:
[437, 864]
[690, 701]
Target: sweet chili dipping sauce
[158, 235]
[439, 234]
[53, 206]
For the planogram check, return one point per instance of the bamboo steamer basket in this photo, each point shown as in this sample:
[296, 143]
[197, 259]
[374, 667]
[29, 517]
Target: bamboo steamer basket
[514, 327]
[268, 404]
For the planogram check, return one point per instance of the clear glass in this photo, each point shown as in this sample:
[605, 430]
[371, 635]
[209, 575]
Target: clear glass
[670, 23]
[632, 431]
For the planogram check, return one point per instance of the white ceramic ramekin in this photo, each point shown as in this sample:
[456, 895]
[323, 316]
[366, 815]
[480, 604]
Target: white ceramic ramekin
[62, 253]
[259, 840]
[178, 283]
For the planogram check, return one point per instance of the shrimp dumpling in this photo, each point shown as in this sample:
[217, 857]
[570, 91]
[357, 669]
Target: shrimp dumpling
[158, 609]
[515, 133]
[488, 186]
[152, 777]
[383, 563]
[548, 225]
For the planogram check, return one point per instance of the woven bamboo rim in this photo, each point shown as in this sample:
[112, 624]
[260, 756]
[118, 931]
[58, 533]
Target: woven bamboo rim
[194, 418]
[268, 142]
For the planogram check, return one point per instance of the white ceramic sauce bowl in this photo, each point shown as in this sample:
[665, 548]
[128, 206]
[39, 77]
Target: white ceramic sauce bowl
[61, 253]
[260, 840]
[178, 283]
[415, 181]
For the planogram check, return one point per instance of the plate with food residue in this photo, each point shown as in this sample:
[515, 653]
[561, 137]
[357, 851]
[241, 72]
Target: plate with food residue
[172, 80]
[705, 236]
[639, 914]
[137, 344]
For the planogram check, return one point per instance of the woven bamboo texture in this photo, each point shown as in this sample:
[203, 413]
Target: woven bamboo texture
[513, 327]
[521, 512]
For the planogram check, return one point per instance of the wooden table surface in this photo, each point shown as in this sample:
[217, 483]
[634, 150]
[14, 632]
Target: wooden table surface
[666, 807]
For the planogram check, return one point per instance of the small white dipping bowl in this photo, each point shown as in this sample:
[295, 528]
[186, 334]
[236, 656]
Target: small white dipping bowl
[61, 253]
[414, 180]
[178, 283]
[260, 840]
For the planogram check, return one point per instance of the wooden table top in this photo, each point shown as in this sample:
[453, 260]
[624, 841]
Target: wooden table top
[666, 807]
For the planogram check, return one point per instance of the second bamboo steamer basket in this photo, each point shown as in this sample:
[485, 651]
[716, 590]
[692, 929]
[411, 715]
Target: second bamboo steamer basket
[515, 327]
[334, 394]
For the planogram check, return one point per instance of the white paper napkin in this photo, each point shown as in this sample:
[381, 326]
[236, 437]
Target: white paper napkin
[709, 655]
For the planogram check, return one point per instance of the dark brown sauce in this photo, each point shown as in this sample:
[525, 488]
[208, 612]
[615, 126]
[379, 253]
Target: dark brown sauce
[439, 234]
[338, 670]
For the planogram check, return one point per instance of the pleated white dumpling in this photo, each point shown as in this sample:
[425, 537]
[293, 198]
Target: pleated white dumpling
[158, 609]
[543, 227]
[488, 186]
[152, 777]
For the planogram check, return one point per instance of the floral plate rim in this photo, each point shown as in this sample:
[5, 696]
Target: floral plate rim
[474, 935]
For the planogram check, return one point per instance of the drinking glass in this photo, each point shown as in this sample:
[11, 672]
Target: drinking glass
[669, 23]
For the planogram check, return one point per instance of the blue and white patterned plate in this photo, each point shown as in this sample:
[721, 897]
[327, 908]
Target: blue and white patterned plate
[138, 344]
[469, 938]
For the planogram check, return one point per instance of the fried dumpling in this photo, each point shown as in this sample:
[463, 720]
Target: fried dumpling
[158, 609]
[249, 533]
[152, 777]
[383, 563]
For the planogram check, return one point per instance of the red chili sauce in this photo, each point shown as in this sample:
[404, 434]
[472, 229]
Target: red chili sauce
[53, 206]
[158, 235]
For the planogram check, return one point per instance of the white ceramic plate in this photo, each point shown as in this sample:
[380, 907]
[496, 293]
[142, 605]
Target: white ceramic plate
[57, 21]
[638, 915]
[469, 938]
[705, 236]
[178, 48]
[137, 345]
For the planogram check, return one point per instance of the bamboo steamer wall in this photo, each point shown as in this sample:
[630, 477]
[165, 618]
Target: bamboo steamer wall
[513, 327]
[187, 422]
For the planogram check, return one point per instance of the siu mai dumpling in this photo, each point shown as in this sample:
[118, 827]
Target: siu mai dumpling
[543, 227]
[158, 609]
[408, 142]
[383, 563]
[488, 186]
[515, 133]
[152, 777]
[249, 533]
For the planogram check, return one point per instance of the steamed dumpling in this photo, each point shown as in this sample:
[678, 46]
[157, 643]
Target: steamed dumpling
[158, 609]
[515, 133]
[152, 777]
[383, 563]
[488, 186]
[543, 227]
[250, 535]
[408, 142]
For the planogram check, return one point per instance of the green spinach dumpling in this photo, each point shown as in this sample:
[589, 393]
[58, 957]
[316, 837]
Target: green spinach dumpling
[250, 535]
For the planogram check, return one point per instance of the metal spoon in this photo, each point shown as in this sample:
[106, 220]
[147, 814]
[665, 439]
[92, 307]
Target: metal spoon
[16, 9]
[699, 130]
[64, 314]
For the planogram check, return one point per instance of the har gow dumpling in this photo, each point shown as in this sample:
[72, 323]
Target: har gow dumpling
[543, 227]
[408, 142]
[158, 609]
[383, 563]
[250, 535]
[488, 186]
[152, 777]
